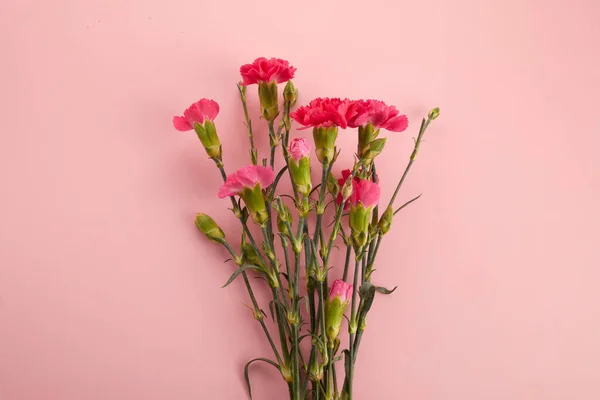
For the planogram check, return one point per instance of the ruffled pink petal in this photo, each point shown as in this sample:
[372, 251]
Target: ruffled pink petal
[181, 124]
[265, 176]
[396, 124]
[368, 192]
[208, 108]
[231, 187]
[194, 114]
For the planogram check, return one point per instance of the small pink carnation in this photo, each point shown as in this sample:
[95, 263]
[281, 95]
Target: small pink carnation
[267, 70]
[364, 191]
[298, 148]
[325, 112]
[340, 289]
[204, 109]
[246, 177]
[379, 114]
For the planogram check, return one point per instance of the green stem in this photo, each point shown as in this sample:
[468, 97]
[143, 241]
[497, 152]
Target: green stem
[257, 310]
[347, 262]
[353, 321]
[320, 206]
[273, 142]
[413, 156]
[253, 152]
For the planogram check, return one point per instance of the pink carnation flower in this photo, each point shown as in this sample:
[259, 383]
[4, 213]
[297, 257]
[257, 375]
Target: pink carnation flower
[364, 191]
[325, 112]
[379, 114]
[267, 70]
[202, 110]
[298, 148]
[340, 289]
[246, 177]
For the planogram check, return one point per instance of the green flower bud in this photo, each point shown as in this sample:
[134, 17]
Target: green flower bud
[300, 171]
[433, 114]
[332, 185]
[385, 222]
[269, 106]
[207, 134]
[255, 203]
[374, 149]
[290, 93]
[325, 143]
[359, 225]
[209, 227]
[315, 370]
[249, 255]
[347, 189]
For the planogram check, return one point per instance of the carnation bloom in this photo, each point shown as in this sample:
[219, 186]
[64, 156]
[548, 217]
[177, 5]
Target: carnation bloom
[200, 111]
[364, 191]
[248, 183]
[339, 297]
[299, 165]
[298, 148]
[379, 114]
[246, 178]
[340, 289]
[325, 112]
[267, 70]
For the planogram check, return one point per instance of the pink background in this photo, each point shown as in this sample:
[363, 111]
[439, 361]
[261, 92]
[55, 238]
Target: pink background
[108, 292]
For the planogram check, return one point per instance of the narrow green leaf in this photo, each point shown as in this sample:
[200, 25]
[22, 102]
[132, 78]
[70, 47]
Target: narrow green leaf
[407, 203]
[273, 363]
[367, 293]
[383, 290]
[239, 271]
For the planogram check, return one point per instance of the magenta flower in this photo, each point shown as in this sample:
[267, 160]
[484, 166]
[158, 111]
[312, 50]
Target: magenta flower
[325, 112]
[267, 70]
[379, 114]
[341, 290]
[364, 191]
[298, 148]
[246, 178]
[204, 109]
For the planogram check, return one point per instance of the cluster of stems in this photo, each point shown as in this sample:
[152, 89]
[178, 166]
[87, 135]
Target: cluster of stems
[289, 249]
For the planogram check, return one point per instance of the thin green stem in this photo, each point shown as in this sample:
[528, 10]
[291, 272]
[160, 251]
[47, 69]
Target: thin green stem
[256, 310]
[413, 156]
[320, 205]
[353, 323]
[347, 262]
[273, 142]
[253, 152]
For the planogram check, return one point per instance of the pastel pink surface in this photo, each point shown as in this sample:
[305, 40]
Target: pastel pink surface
[107, 291]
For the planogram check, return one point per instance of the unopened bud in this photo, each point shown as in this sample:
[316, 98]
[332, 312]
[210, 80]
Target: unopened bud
[347, 189]
[209, 227]
[332, 185]
[385, 222]
[374, 149]
[290, 93]
[433, 114]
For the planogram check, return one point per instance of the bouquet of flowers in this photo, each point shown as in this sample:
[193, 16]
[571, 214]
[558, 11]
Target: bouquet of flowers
[287, 239]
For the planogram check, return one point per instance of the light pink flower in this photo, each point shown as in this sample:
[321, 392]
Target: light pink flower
[267, 70]
[364, 191]
[325, 112]
[298, 148]
[340, 289]
[379, 114]
[204, 109]
[246, 177]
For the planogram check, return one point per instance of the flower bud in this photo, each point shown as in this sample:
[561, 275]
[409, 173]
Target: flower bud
[359, 225]
[269, 106]
[385, 222]
[299, 165]
[207, 134]
[249, 255]
[209, 227]
[433, 114]
[335, 306]
[255, 203]
[284, 216]
[290, 93]
[347, 189]
[373, 149]
[325, 143]
[315, 370]
[333, 185]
